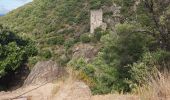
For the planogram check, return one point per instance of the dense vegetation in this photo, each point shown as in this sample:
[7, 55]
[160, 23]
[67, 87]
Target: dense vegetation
[137, 47]
[14, 52]
[52, 23]
[135, 52]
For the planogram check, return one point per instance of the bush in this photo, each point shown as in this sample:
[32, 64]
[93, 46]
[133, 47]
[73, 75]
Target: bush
[14, 51]
[98, 34]
[85, 38]
[111, 71]
[97, 4]
[149, 65]
[32, 61]
[69, 43]
[46, 54]
[59, 40]
[97, 74]
[85, 72]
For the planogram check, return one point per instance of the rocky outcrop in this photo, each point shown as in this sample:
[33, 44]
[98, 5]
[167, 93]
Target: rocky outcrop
[86, 51]
[44, 71]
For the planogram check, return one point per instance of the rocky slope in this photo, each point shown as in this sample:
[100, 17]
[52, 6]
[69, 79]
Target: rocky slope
[55, 87]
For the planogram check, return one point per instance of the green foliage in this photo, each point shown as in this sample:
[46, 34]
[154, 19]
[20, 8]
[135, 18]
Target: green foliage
[59, 40]
[98, 34]
[128, 56]
[151, 15]
[97, 74]
[149, 65]
[111, 70]
[14, 51]
[97, 4]
[85, 38]
[32, 61]
[124, 48]
[46, 54]
[69, 43]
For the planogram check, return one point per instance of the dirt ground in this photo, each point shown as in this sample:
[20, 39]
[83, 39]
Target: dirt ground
[68, 90]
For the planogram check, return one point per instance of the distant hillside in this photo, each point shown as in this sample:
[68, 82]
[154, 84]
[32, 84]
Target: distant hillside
[50, 16]
[53, 23]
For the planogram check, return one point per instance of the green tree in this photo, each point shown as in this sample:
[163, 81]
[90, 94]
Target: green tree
[14, 51]
[153, 15]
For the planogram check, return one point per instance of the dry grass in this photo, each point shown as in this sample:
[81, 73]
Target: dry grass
[158, 89]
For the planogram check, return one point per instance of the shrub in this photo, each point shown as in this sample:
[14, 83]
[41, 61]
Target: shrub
[14, 52]
[59, 40]
[69, 43]
[97, 4]
[85, 72]
[33, 60]
[149, 65]
[46, 54]
[85, 38]
[97, 74]
[98, 34]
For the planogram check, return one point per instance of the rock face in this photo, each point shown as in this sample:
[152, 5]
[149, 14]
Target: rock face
[44, 71]
[96, 19]
[86, 51]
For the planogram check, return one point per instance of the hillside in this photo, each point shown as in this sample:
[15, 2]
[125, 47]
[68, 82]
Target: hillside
[50, 16]
[57, 26]
[133, 49]
[52, 23]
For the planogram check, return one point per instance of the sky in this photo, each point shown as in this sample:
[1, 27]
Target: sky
[8, 5]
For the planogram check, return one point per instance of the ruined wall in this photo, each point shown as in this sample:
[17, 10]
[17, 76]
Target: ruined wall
[96, 20]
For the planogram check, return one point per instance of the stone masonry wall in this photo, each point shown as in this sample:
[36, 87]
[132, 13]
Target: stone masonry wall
[96, 19]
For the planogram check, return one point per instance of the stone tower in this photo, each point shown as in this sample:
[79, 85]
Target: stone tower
[96, 19]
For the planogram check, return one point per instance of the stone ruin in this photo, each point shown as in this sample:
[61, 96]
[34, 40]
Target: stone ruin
[108, 21]
[96, 20]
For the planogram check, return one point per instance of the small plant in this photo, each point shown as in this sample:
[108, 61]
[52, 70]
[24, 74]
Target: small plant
[32, 61]
[46, 54]
[85, 38]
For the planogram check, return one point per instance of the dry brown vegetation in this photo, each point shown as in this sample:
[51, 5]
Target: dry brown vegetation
[158, 89]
